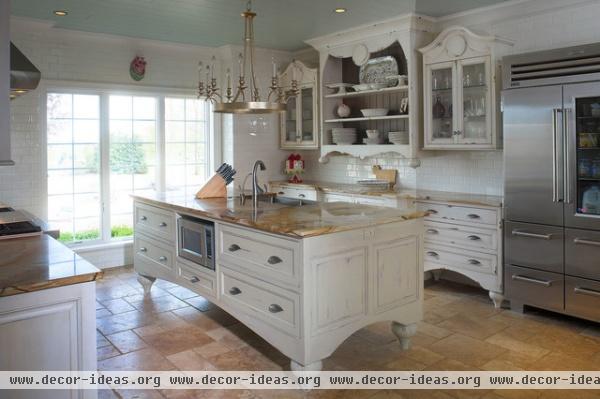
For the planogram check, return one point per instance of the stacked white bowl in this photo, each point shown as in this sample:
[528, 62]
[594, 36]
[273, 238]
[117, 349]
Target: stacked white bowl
[343, 135]
[398, 137]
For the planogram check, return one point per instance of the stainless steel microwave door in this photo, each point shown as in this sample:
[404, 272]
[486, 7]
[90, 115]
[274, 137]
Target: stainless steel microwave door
[533, 155]
[582, 153]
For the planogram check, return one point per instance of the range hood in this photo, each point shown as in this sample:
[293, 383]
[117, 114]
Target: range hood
[24, 76]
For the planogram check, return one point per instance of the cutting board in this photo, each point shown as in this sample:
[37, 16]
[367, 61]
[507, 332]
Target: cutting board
[385, 174]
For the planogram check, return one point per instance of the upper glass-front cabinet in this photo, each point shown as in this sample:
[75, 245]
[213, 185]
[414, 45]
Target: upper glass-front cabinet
[461, 109]
[299, 122]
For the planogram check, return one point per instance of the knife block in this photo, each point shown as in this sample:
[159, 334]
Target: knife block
[213, 188]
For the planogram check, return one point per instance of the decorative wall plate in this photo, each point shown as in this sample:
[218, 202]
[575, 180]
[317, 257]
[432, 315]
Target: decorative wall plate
[360, 54]
[376, 70]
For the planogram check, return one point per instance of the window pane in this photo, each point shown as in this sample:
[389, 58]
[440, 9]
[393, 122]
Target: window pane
[194, 110]
[86, 181]
[174, 109]
[86, 156]
[175, 154]
[195, 131]
[60, 156]
[120, 107]
[121, 131]
[59, 105]
[60, 182]
[174, 131]
[86, 205]
[86, 131]
[86, 107]
[144, 108]
[144, 131]
[175, 177]
[144, 181]
[60, 130]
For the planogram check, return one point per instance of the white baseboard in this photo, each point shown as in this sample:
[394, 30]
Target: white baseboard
[108, 256]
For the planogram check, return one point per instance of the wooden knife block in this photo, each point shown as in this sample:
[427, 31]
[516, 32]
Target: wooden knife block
[385, 174]
[213, 188]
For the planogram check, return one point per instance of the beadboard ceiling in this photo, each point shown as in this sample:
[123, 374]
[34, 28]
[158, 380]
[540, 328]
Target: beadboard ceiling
[281, 24]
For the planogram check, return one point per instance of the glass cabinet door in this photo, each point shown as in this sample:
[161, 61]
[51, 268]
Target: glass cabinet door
[307, 122]
[475, 122]
[290, 125]
[440, 82]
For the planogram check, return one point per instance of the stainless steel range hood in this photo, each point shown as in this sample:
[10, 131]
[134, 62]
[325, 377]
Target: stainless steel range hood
[24, 76]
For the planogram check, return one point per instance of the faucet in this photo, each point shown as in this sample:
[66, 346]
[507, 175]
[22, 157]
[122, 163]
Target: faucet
[256, 190]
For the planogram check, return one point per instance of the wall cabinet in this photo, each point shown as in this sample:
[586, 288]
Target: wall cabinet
[460, 88]
[299, 122]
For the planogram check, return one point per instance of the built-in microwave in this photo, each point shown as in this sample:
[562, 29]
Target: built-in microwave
[196, 241]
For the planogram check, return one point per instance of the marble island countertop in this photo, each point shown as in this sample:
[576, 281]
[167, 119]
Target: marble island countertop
[294, 221]
[40, 262]
[408, 194]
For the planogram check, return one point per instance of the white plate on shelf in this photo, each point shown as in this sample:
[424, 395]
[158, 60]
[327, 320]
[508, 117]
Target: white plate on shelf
[370, 112]
[340, 87]
[376, 70]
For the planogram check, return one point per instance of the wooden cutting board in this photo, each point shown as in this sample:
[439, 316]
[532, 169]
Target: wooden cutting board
[385, 174]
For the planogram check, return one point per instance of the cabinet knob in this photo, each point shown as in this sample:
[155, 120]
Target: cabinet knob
[281, 193]
[301, 195]
[234, 247]
[432, 231]
[474, 262]
[143, 249]
[474, 238]
[431, 253]
[432, 211]
[162, 224]
[194, 279]
[143, 218]
[273, 260]
[473, 216]
[235, 291]
[274, 308]
[162, 259]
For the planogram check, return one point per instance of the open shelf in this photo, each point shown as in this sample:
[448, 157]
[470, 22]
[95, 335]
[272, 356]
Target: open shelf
[387, 90]
[367, 118]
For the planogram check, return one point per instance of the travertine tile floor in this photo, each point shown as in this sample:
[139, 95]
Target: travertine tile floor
[176, 329]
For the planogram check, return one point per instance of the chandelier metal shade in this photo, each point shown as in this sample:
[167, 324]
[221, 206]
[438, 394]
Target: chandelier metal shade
[246, 99]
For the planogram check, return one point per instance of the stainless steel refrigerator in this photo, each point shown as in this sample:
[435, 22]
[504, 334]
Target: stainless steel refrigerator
[551, 121]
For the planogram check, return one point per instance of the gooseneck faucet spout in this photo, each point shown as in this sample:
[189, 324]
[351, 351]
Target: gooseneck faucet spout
[256, 190]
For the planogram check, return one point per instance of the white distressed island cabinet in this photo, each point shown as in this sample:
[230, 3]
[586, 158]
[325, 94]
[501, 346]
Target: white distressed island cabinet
[461, 84]
[304, 295]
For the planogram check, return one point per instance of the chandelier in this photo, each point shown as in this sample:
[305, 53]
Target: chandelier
[246, 99]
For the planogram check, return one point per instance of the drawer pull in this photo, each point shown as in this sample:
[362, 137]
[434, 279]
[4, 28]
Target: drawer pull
[520, 233]
[143, 218]
[235, 291]
[434, 254]
[194, 279]
[432, 231]
[301, 195]
[432, 211]
[474, 262]
[473, 216]
[586, 291]
[234, 247]
[162, 259]
[162, 224]
[474, 238]
[273, 260]
[545, 283]
[281, 193]
[583, 241]
[143, 249]
[274, 308]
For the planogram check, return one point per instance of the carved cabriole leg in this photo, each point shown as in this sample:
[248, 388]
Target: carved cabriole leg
[404, 333]
[436, 274]
[146, 282]
[316, 366]
[497, 298]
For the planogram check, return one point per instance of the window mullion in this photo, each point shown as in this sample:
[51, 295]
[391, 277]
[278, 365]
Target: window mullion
[104, 166]
[161, 177]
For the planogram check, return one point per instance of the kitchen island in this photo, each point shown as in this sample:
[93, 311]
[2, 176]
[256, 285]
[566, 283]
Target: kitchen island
[304, 278]
[47, 309]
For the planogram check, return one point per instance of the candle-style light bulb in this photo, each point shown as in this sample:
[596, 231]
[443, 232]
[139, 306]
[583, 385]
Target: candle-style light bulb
[200, 70]
[241, 64]
[228, 78]
[274, 67]
[212, 67]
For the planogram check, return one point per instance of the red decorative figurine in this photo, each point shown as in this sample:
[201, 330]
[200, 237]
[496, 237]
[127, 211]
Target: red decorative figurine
[294, 167]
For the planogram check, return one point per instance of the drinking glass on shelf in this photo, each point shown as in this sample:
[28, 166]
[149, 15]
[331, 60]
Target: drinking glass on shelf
[467, 80]
[481, 79]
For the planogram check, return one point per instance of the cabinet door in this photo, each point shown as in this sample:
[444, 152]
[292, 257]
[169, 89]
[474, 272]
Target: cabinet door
[289, 123]
[474, 99]
[440, 80]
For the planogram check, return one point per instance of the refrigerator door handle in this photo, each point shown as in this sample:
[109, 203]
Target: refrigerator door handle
[567, 155]
[557, 151]
[583, 241]
[531, 235]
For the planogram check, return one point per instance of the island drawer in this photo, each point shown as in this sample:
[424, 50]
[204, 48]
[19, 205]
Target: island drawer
[196, 281]
[441, 212]
[155, 221]
[296, 193]
[273, 305]
[465, 236]
[272, 257]
[153, 252]
[461, 259]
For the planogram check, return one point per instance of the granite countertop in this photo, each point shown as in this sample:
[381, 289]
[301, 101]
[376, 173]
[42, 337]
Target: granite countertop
[418, 195]
[297, 222]
[38, 263]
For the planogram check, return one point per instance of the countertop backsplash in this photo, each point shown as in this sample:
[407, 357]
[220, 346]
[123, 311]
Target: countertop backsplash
[475, 172]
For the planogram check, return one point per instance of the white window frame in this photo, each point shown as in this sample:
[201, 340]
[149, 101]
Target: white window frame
[213, 141]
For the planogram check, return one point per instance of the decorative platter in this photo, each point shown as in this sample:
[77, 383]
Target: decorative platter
[376, 70]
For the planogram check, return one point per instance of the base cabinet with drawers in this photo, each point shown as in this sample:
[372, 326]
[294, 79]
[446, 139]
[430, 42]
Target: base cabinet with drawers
[304, 296]
[465, 239]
